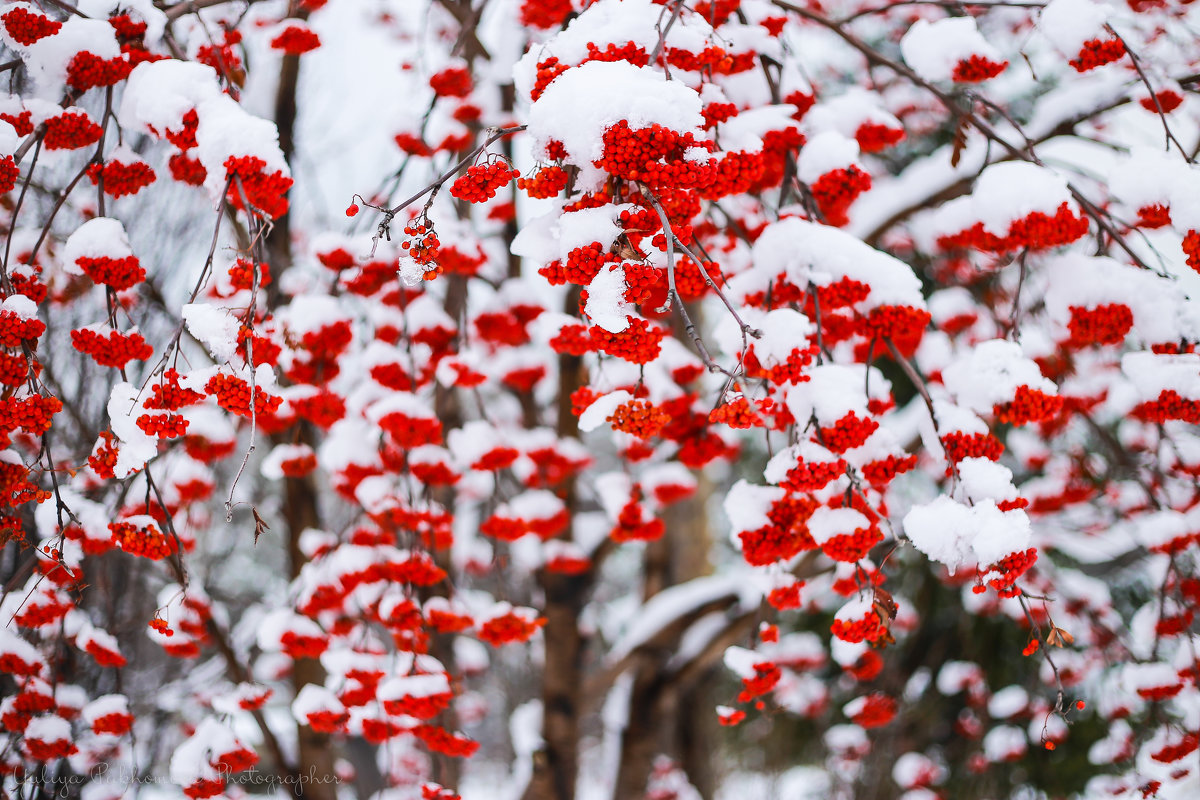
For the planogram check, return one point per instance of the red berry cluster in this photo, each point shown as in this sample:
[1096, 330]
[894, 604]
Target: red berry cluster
[655, 156]
[30, 414]
[70, 131]
[880, 473]
[873, 137]
[233, 395]
[631, 525]
[222, 57]
[1010, 568]
[1168, 100]
[411, 432]
[1191, 247]
[1097, 53]
[1035, 231]
[89, 71]
[267, 192]
[975, 69]
[868, 629]
[241, 275]
[737, 413]
[9, 171]
[772, 543]
[169, 395]
[847, 433]
[15, 329]
[187, 170]
[510, 627]
[836, 190]
[1028, 405]
[26, 27]
[164, 426]
[22, 122]
[296, 39]
[423, 245]
[452, 82]
[481, 181]
[547, 71]
[1104, 324]
[895, 322]
[114, 350]
[121, 179]
[1156, 215]
[639, 418]
[711, 59]
[115, 724]
[640, 343]
[1169, 405]
[546, 182]
[735, 173]
[851, 547]
[545, 14]
[116, 273]
[877, 711]
[145, 541]
[811, 476]
[630, 51]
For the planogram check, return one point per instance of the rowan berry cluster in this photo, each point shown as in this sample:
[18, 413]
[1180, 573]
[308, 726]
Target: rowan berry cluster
[1166, 99]
[546, 182]
[89, 71]
[121, 179]
[481, 181]
[169, 395]
[875, 710]
[1028, 405]
[114, 350]
[1104, 324]
[736, 413]
[146, 541]
[851, 547]
[116, 273]
[9, 172]
[233, 395]
[422, 245]
[976, 68]
[868, 628]
[1008, 570]
[836, 190]
[873, 136]
[163, 426]
[639, 418]
[632, 524]
[545, 14]
[881, 472]
[71, 130]
[452, 82]
[655, 155]
[26, 27]
[1155, 215]
[15, 329]
[507, 628]
[1169, 405]
[187, 170]
[295, 40]
[847, 433]
[812, 476]
[411, 432]
[31, 414]
[640, 343]
[1096, 53]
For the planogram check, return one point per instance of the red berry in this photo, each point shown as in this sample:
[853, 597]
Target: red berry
[352, 210]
